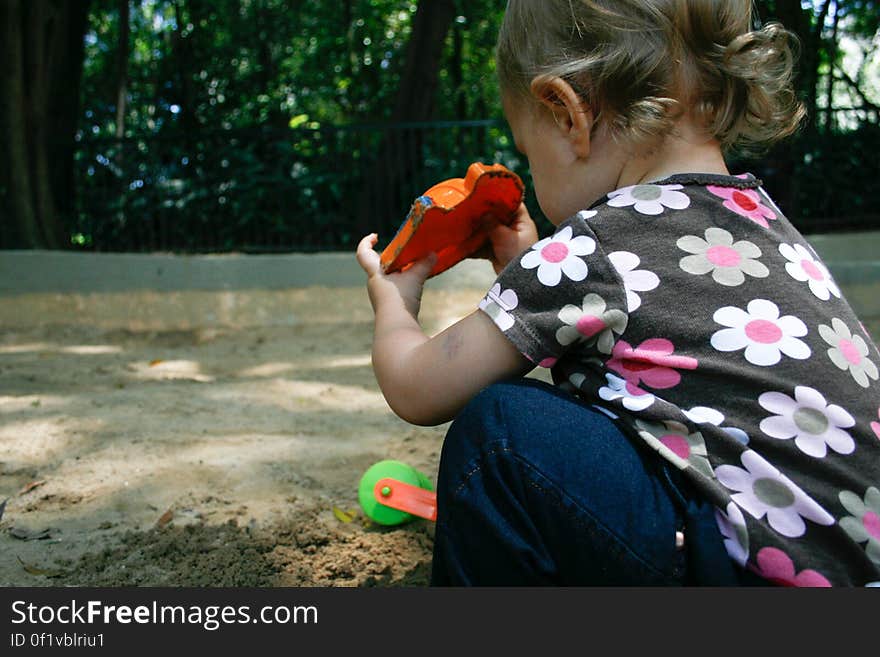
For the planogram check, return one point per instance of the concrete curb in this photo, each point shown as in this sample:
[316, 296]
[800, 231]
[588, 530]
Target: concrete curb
[35, 272]
[854, 259]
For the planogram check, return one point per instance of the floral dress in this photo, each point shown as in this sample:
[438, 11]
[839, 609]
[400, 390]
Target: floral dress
[704, 324]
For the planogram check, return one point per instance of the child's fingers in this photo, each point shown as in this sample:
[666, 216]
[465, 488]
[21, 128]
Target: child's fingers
[485, 252]
[367, 258]
[501, 230]
[522, 218]
[421, 269]
[368, 242]
[522, 213]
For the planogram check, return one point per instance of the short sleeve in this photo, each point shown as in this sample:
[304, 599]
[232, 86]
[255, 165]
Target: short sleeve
[561, 294]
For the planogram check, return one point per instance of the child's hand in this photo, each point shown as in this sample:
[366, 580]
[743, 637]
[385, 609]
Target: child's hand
[429, 380]
[507, 242]
[406, 285]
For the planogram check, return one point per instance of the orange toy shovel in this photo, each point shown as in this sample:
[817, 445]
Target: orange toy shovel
[454, 217]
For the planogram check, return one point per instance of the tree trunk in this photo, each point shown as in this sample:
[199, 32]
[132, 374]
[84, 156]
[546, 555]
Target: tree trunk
[457, 72]
[424, 52]
[35, 62]
[122, 71]
[183, 54]
[43, 22]
[64, 104]
[832, 57]
[351, 60]
[808, 29]
[22, 216]
[399, 154]
[787, 157]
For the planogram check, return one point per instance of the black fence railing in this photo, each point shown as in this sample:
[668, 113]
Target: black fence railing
[322, 188]
[263, 191]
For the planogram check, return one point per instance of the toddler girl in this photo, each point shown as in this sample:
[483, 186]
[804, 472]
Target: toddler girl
[715, 414]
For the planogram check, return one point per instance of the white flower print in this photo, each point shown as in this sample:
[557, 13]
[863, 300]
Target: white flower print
[864, 523]
[587, 214]
[728, 261]
[558, 255]
[706, 415]
[732, 525]
[764, 334]
[498, 304]
[593, 322]
[814, 424]
[634, 280]
[804, 267]
[605, 411]
[849, 351]
[764, 491]
[678, 445]
[631, 396]
[650, 199]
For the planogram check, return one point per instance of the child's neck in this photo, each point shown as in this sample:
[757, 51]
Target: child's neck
[685, 150]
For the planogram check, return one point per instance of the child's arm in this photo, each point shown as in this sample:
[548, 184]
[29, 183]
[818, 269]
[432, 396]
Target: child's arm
[427, 381]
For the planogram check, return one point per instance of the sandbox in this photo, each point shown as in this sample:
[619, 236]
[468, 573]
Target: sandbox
[202, 436]
[204, 421]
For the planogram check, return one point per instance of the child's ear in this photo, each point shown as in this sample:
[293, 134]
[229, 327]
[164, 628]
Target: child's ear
[570, 112]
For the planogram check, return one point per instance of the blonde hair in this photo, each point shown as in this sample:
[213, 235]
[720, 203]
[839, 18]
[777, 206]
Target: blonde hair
[641, 63]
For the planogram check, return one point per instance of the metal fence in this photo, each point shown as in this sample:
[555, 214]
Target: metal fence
[318, 188]
[322, 188]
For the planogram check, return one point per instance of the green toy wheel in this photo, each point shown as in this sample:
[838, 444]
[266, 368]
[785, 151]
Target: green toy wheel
[424, 482]
[373, 508]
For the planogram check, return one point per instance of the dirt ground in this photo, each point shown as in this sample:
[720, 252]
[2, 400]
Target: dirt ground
[226, 454]
[205, 439]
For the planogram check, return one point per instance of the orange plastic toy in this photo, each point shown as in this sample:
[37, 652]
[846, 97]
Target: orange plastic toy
[454, 217]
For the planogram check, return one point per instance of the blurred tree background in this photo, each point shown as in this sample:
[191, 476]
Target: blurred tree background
[278, 125]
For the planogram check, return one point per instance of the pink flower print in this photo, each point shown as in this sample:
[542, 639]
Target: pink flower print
[652, 363]
[632, 397]
[863, 523]
[560, 254]
[677, 444]
[876, 426]
[849, 351]
[762, 332]
[776, 566]
[806, 268]
[745, 202]
[592, 322]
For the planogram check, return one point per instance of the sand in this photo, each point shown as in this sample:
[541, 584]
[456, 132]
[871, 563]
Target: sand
[204, 439]
[203, 453]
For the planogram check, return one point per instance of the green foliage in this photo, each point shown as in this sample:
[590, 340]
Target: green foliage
[236, 118]
[862, 17]
[240, 63]
[248, 123]
[837, 181]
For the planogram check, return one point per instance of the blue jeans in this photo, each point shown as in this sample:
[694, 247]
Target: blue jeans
[537, 488]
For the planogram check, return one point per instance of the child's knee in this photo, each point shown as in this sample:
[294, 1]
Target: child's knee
[503, 402]
[502, 412]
